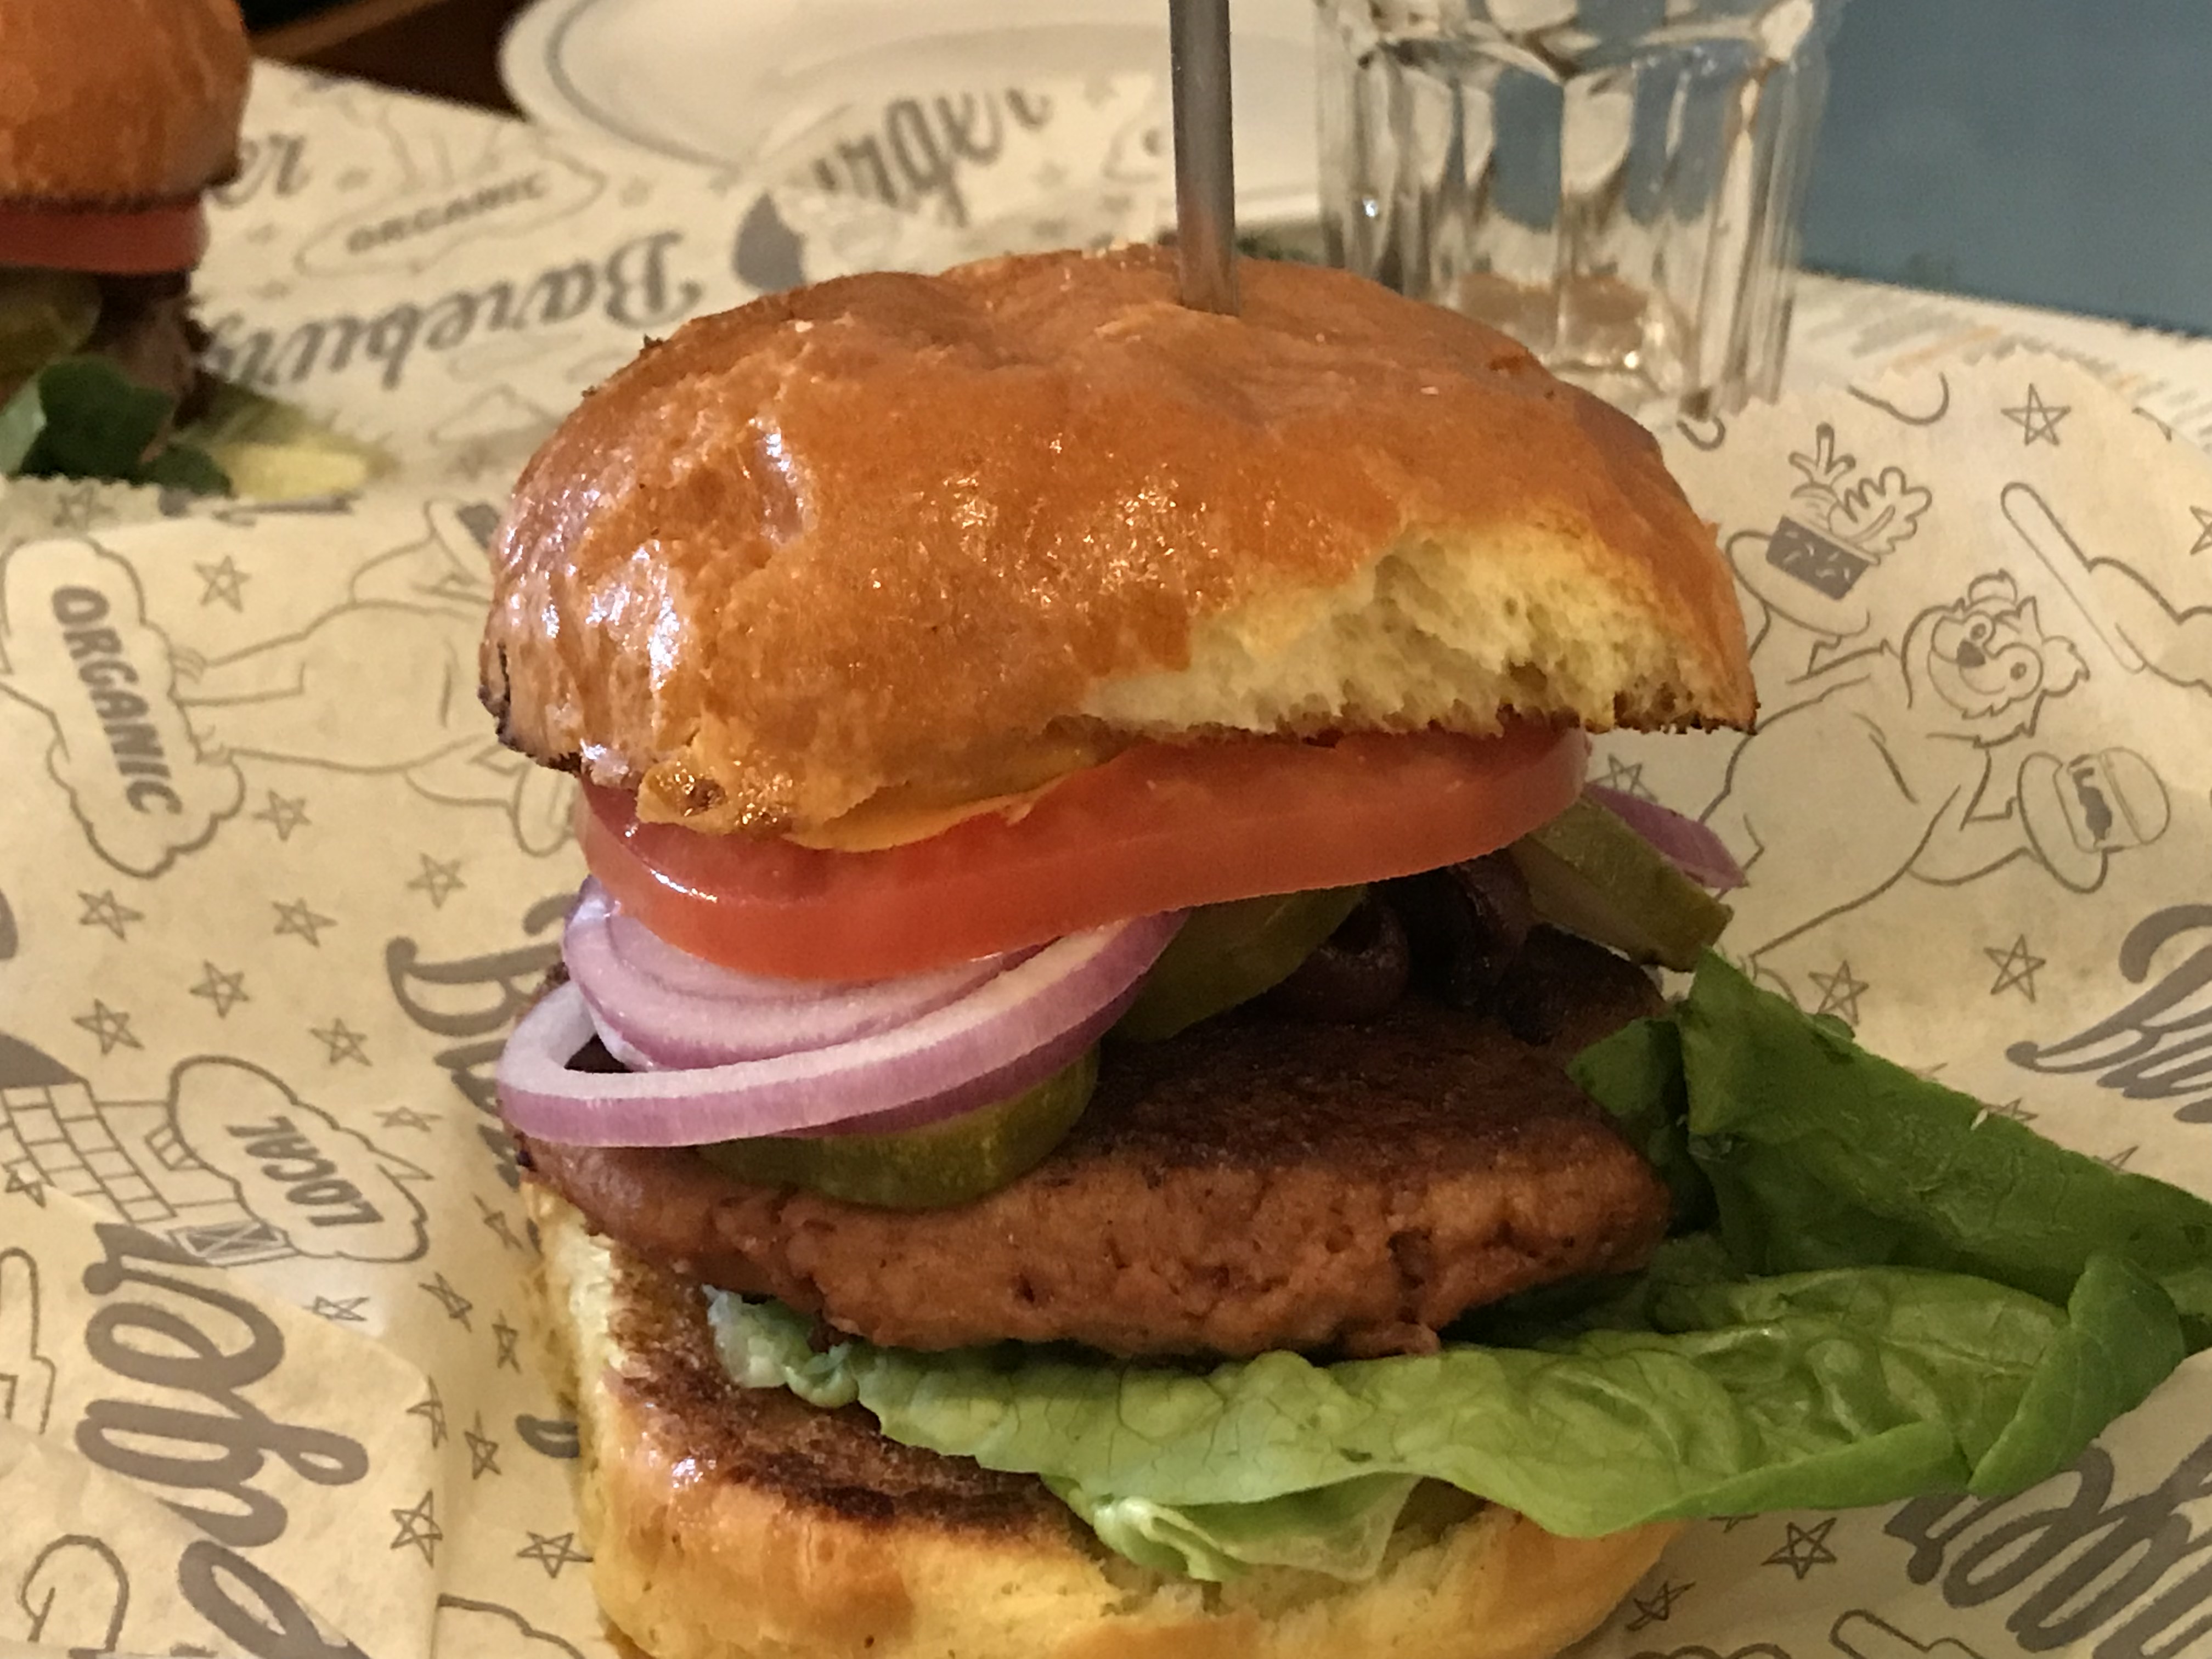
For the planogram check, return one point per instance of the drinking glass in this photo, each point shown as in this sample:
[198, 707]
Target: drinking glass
[1615, 183]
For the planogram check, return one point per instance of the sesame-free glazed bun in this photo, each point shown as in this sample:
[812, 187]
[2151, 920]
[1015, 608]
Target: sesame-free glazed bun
[118, 103]
[946, 536]
[733, 1523]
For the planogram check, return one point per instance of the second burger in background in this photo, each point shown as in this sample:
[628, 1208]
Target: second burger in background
[116, 116]
[1104, 1042]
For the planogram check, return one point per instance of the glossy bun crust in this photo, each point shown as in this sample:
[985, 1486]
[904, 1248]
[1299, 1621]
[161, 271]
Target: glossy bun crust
[118, 103]
[734, 1523]
[943, 537]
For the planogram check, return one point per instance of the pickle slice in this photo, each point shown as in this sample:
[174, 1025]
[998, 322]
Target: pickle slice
[1591, 874]
[932, 1167]
[1230, 953]
[44, 314]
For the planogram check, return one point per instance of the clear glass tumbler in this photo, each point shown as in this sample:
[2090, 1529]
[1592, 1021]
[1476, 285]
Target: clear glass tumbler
[1615, 183]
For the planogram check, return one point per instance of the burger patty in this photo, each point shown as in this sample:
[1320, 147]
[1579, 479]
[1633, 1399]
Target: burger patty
[1258, 1182]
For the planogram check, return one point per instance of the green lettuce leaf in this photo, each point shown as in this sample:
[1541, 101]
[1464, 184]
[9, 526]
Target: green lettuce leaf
[99, 422]
[21, 419]
[1638, 1074]
[84, 418]
[180, 465]
[1810, 1390]
[1898, 1295]
[1822, 1155]
[1341, 1530]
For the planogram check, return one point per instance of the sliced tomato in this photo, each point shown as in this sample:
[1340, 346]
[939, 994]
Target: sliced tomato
[1159, 828]
[140, 243]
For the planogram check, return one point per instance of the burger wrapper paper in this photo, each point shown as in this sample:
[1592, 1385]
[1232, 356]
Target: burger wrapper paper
[270, 1374]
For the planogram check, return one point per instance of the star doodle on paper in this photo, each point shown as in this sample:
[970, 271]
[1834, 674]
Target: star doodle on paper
[1730, 1522]
[222, 582]
[81, 508]
[439, 880]
[431, 1410]
[1840, 992]
[552, 1551]
[225, 991]
[2204, 517]
[456, 1306]
[2013, 1109]
[2016, 968]
[303, 922]
[104, 910]
[1626, 778]
[406, 1117]
[1807, 1548]
[340, 1310]
[342, 1042]
[419, 1528]
[19, 1182]
[2037, 420]
[284, 814]
[484, 1451]
[2121, 1159]
[1657, 1608]
[506, 1336]
[111, 1025]
[501, 1225]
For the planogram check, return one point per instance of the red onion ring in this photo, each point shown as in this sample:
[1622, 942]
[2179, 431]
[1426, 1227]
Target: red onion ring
[1015, 1030]
[657, 1008]
[1689, 846]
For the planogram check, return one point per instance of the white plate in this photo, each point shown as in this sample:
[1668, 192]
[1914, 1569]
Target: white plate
[966, 108]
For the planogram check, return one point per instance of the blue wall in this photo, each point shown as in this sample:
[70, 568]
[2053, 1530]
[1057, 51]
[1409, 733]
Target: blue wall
[2055, 152]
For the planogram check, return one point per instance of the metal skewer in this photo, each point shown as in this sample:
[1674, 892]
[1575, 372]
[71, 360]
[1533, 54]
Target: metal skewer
[1205, 163]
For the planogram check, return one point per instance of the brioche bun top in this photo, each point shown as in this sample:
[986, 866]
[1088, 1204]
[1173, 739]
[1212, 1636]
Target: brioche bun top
[933, 538]
[118, 103]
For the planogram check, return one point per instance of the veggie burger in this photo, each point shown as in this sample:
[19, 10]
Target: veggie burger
[115, 117]
[1106, 1094]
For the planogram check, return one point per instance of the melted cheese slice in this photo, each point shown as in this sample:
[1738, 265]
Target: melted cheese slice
[877, 824]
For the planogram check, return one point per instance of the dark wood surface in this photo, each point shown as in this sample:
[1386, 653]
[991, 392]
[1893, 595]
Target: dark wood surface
[448, 48]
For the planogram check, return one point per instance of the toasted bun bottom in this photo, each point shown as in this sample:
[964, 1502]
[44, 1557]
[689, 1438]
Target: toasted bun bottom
[733, 1523]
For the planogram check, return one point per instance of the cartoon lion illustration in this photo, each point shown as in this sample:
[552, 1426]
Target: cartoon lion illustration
[1904, 736]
